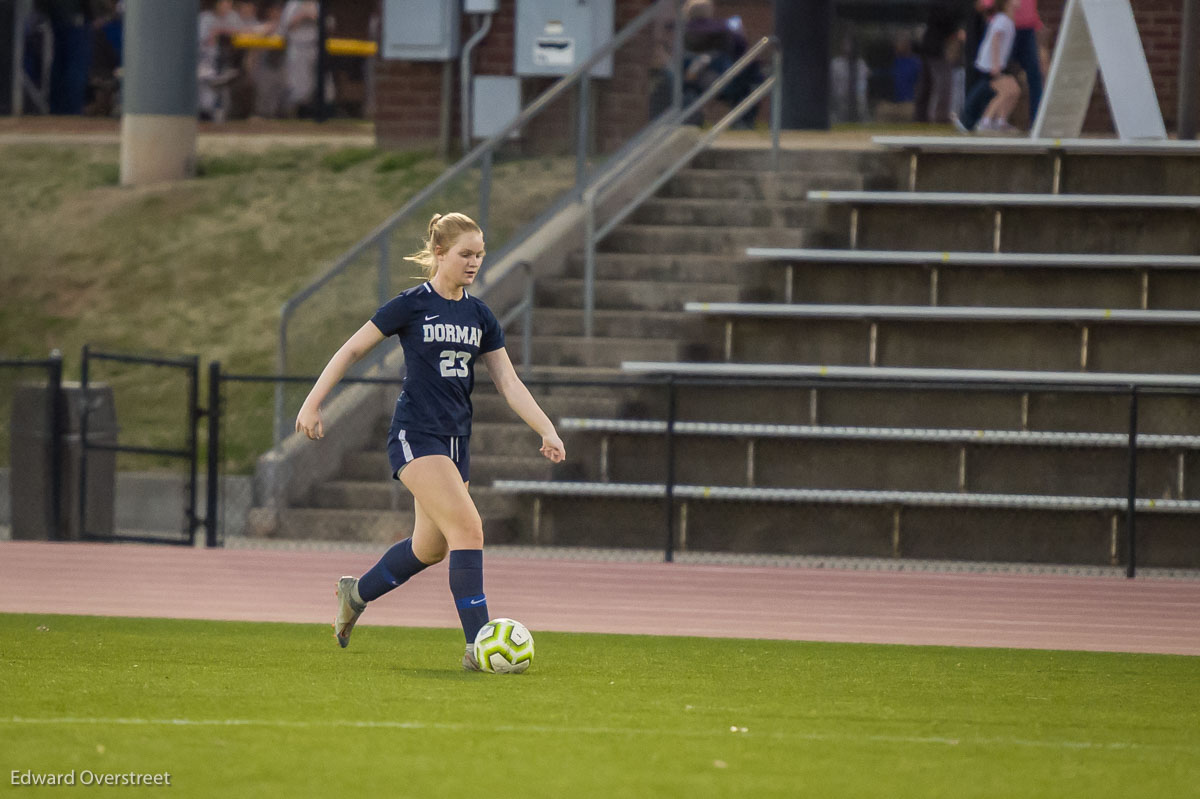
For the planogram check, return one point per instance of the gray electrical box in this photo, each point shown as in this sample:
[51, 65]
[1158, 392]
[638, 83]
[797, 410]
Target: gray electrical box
[553, 37]
[481, 6]
[420, 30]
[496, 101]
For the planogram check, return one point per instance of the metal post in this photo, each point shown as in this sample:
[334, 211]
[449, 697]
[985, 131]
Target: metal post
[20, 11]
[677, 60]
[1131, 506]
[485, 188]
[385, 283]
[444, 119]
[465, 88]
[281, 370]
[527, 319]
[669, 551]
[194, 414]
[805, 31]
[83, 442]
[320, 112]
[158, 91]
[776, 105]
[581, 132]
[54, 388]
[589, 263]
[1189, 40]
[212, 500]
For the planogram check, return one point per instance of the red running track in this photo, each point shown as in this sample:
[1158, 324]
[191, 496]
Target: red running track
[1026, 611]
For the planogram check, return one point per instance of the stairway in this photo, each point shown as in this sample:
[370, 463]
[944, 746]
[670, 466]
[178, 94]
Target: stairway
[685, 244]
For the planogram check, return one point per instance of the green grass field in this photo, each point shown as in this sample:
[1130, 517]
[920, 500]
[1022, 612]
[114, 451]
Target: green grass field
[278, 710]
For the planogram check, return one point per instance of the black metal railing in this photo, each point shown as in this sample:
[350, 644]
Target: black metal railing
[671, 388]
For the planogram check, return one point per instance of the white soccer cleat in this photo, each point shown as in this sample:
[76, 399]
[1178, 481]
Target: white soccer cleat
[469, 662]
[348, 610]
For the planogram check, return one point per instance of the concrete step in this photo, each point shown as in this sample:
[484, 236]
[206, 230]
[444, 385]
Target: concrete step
[1051, 230]
[512, 437]
[691, 268]
[551, 372]
[824, 160]
[384, 527]
[730, 185]
[491, 407]
[717, 212]
[603, 350]
[662, 239]
[366, 467]
[487, 468]
[642, 324]
[975, 534]
[643, 295]
[362, 526]
[377, 495]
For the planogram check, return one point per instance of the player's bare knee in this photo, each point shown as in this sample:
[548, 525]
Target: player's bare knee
[432, 555]
[469, 535]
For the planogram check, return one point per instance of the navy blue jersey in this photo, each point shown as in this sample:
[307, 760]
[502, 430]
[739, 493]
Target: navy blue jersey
[442, 340]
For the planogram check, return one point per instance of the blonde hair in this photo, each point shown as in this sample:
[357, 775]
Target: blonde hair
[444, 230]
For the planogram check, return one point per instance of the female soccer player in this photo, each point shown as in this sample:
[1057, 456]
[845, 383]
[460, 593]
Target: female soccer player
[443, 330]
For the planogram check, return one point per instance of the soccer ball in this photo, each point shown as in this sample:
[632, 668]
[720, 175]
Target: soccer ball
[504, 646]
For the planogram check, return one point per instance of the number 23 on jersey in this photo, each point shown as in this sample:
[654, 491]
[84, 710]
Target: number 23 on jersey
[454, 363]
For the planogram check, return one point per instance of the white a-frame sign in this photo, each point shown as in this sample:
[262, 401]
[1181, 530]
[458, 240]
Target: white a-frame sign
[1099, 35]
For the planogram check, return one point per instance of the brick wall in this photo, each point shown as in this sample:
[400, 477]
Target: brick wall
[409, 93]
[1159, 23]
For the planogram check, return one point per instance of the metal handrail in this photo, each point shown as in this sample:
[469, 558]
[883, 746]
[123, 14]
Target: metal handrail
[524, 310]
[593, 234]
[482, 155]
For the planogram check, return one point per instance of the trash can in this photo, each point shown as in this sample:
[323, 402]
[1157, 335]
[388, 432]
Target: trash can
[33, 473]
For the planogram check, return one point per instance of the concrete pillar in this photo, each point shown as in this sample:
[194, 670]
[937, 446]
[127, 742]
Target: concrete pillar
[804, 29]
[158, 124]
[1189, 41]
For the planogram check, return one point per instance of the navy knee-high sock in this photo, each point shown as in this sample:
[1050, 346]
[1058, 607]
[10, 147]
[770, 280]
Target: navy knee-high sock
[393, 569]
[466, 583]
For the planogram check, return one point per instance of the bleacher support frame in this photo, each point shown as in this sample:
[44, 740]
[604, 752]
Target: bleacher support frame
[1022, 383]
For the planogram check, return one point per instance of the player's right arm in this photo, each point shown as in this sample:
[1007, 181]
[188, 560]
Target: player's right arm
[308, 421]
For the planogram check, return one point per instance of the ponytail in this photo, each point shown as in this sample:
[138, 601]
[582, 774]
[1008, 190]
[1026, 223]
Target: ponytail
[443, 231]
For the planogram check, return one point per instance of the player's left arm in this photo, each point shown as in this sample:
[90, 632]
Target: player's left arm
[517, 395]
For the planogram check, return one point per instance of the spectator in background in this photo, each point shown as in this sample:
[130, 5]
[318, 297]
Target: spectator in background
[905, 71]
[939, 48]
[241, 88]
[662, 54]
[299, 25]
[712, 46]
[994, 91]
[268, 70]
[214, 71]
[71, 23]
[1026, 52]
[104, 80]
[848, 76]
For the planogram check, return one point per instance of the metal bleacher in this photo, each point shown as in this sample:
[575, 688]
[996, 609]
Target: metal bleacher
[888, 348]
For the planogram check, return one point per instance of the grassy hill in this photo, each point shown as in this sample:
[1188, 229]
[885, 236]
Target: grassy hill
[200, 266]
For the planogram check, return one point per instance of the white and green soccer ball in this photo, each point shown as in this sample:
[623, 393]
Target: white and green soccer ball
[504, 646]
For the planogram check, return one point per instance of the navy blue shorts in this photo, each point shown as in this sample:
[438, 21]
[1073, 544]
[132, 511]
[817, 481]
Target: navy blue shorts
[405, 446]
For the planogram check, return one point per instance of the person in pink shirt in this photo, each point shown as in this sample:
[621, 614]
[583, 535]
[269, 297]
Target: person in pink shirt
[1026, 53]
